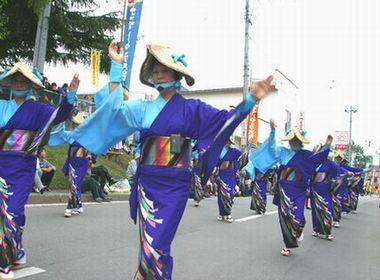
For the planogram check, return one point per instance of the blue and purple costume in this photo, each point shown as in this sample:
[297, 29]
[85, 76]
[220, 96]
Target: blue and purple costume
[226, 179]
[296, 168]
[321, 195]
[23, 131]
[163, 177]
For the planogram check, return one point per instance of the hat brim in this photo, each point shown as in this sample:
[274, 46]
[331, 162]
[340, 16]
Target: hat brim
[80, 117]
[163, 56]
[339, 154]
[25, 71]
[295, 134]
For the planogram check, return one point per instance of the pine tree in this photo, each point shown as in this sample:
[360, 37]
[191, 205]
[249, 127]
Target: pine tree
[73, 30]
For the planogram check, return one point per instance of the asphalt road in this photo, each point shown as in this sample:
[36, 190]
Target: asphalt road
[102, 244]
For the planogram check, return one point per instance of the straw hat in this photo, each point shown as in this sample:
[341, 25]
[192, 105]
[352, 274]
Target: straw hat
[24, 69]
[80, 117]
[337, 154]
[295, 133]
[167, 57]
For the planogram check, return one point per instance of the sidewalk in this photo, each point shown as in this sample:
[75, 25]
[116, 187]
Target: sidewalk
[61, 197]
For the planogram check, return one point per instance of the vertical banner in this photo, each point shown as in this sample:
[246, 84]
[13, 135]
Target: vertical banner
[253, 126]
[301, 121]
[131, 28]
[95, 66]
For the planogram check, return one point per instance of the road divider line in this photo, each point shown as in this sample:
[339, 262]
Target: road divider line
[255, 217]
[28, 271]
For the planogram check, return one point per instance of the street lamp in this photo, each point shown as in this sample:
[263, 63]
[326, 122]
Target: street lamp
[350, 110]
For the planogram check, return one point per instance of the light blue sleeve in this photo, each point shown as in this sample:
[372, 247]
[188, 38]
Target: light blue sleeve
[7, 109]
[60, 136]
[267, 155]
[112, 122]
[223, 153]
[101, 96]
[248, 103]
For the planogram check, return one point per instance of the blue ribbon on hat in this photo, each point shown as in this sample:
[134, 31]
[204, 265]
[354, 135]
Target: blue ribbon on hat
[37, 73]
[5, 72]
[180, 58]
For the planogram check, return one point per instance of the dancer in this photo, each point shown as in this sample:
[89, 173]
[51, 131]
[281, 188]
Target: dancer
[297, 165]
[76, 165]
[226, 181]
[24, 128]
[167, 125]
[321, 197]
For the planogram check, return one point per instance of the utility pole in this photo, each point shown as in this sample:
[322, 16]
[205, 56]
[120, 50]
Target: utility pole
[123, 23]
[39, 55]
[350, 110]
[247, 70]
[248, 24]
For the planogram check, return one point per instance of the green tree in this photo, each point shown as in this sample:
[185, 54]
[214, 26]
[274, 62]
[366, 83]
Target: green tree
[360, 159]
[73, 30]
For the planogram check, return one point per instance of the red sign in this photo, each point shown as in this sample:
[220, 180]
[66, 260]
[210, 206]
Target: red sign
[341, 140]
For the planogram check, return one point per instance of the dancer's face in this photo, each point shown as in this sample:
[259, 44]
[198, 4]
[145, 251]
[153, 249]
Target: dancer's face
[163, 74]
[20, 82]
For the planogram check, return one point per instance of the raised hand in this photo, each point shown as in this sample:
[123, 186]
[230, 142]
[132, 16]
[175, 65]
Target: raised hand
[260, 89]
[115, 53]
[273, 124]
[74, 85]
[329, 140]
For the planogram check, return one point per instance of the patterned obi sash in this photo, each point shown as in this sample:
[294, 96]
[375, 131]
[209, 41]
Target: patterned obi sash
[320, 177]
[16, 140]
[291, 174]
[171, 151]
[226, 164]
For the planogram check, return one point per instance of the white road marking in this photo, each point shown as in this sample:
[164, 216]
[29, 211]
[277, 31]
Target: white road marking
[255, 217]
[28, 271]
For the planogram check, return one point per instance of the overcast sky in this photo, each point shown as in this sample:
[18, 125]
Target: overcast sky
[330, 49]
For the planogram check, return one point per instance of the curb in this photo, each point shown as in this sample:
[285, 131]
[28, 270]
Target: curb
[61, 197]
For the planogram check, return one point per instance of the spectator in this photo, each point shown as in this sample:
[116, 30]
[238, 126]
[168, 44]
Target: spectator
[45, 82]
[38, 185]
[54, 87]
[132, 167]
[102, 175]
[63, 90]
[47, 168]
[90, 184]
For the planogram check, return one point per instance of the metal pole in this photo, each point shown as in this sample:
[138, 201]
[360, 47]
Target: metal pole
[123, 23]
[350, 110]
[246, 47]
[41, 38]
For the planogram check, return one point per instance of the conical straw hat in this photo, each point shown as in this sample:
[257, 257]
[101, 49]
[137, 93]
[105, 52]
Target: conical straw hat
[339, 153]
[24, 69]
[163, 55]
[295, 133]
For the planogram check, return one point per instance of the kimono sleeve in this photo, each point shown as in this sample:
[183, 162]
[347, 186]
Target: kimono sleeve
[112, 122]
[215, 127]
[64, 111]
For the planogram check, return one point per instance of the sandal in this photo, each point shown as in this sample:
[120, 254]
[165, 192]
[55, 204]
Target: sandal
[228, 219]
[285, 252]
